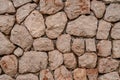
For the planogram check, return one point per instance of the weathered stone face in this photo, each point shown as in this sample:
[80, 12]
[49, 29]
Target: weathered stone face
[5, 77]
[27, 77]
[92, 74]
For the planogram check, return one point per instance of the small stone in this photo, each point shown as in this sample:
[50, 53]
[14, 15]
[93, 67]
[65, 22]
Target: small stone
[35, 19]
[111, 1]
[18, 3]
[90, 45]
[9, 64]
[110, 76]
[6, 47]
[24, 11]
[21, 37]
[78, 46]
[74, 8]
[106, 65]
[115, 32]
[92, 74]
[55, 59]
[84, 26]
[104, 48]
[55, 24]
[112, 13]
[79, 74]
[87, 60]
[5, 77]
[62, 73]
[43, 44]
[6, 6]
[46, 75]
[103, 30]
[116, 49]
[18, 52]
[33, 61]
[6, 23]
[70, 60]
[98, 7]
[50, 6]
[28, 76]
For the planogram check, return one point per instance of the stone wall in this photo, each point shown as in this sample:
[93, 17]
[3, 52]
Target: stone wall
[59, 39]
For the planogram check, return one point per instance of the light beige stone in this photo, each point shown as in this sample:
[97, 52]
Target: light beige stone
[74, 8]
[98, 7]
[5, 77]
[50, 6]
[79, 74]
[55, 59]
[84, 26]
[111, 1]
[87, 60]
[62, 73]
[21, 37]
[63, 43]
[106, 65]
[9, 64]
[6, 23]
[78, 46]
[116, 49]
[35, 24]
[104, 48]
[55, 24]
[46, 75]
[112, 13]
[92, 74]
[28, 76]
[6, 47]
[70, 60]
[43, 44]
[24, 11]
[18, 52]
[103, 30]
[33, 61]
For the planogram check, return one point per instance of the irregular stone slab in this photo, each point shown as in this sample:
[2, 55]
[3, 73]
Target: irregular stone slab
[63, 43]
[84, 26]
[90, 45]
[62, 73]
[28, 76]
[87, 60]
[106, 65]
[103, 30]
[18, 3]
[9, 64]
[79, 74]
[6, 47]
[110, 76]
[21, 37]
[111, 1]
[35, 19]
[6, 23]
[6, 6]
[46, 75]
[92, 74]
[24, 11]
[55, 24]
[55, 59]
[5, 77]
[18, 52]
[50, 6]
[70, 60]
[104, 48]
[78, 46]
[116, 49]
[74, 8]
[98, 7]
[32, 61]
[43, 44]
[112, 13]
[115, 33]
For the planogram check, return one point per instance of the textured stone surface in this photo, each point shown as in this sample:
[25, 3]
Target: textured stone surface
[92, 74]
[55, 59]
[32, 62]
[84, 26]
[74, 8]
[21, 37]
[55, 24]
[111, 1]
[18, 52]
[27, 77]
[5, 77]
